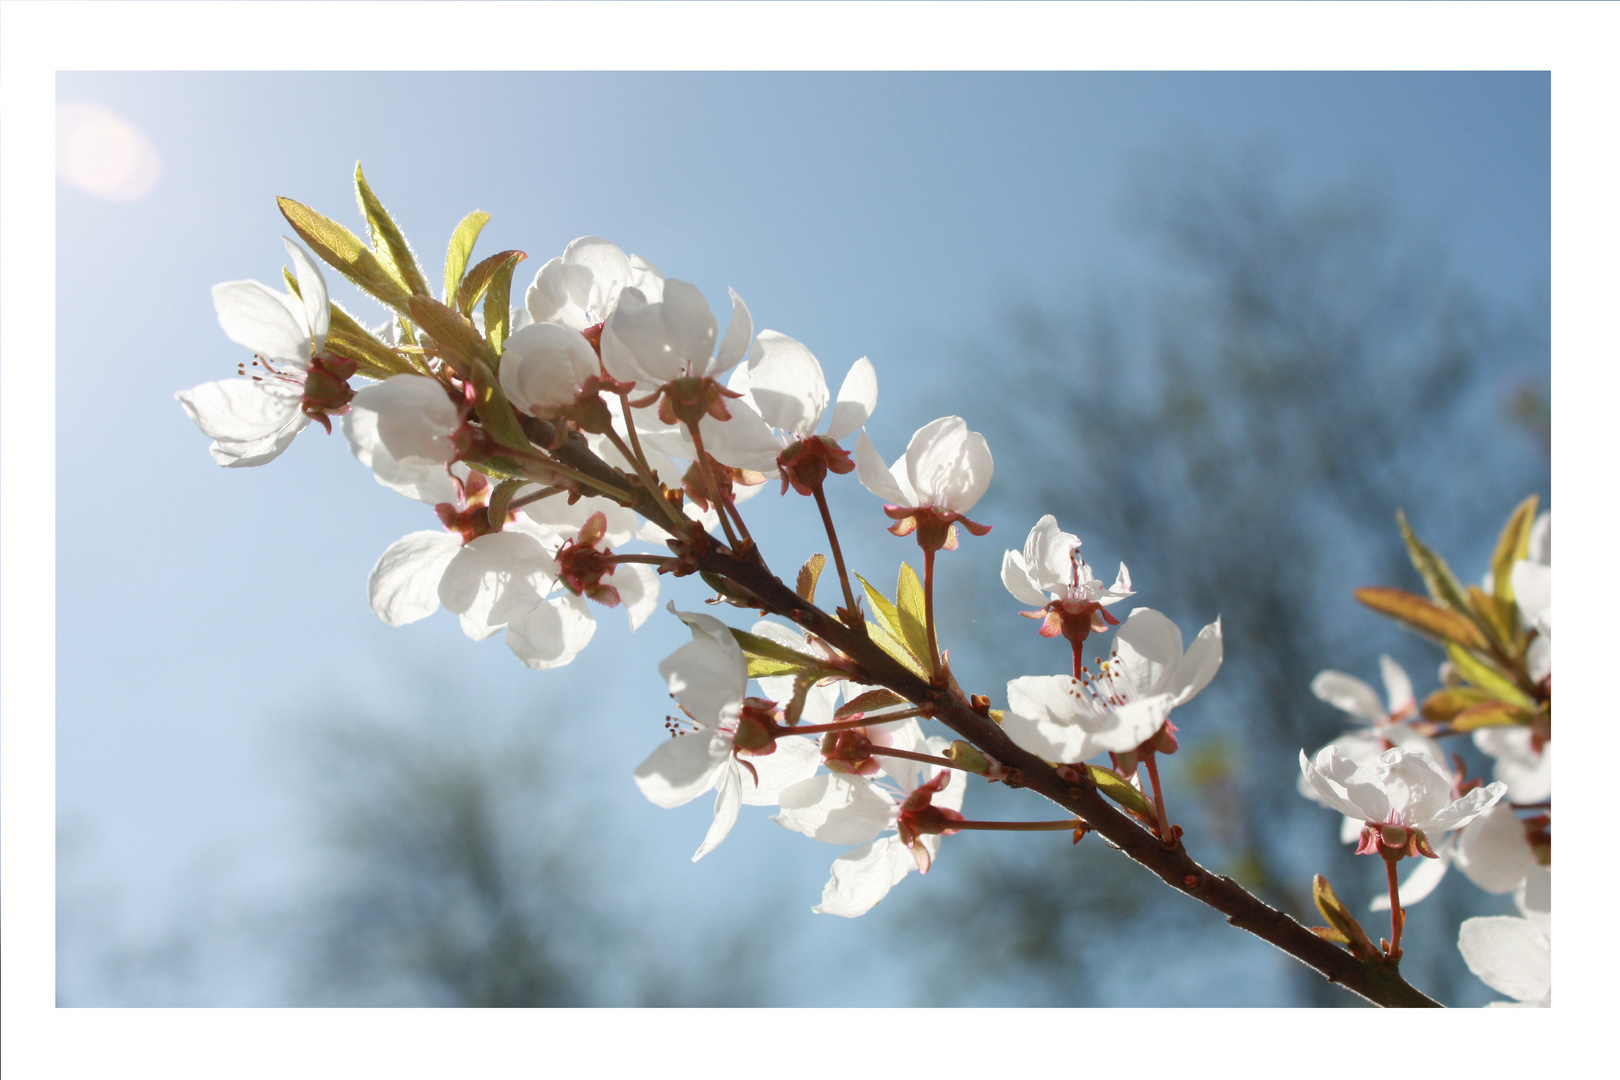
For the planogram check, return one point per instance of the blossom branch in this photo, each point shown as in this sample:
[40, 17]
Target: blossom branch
[1378, 981]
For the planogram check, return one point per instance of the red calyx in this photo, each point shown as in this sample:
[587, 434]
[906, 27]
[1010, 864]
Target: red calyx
[581, 565]
[805, 464]
[849, 751]
[935, 528]
[919, 817]
[326, 388]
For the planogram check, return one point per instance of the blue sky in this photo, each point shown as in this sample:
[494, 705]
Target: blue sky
[886, 215]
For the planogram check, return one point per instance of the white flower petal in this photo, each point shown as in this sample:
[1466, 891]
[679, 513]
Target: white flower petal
[552, 633]
[1053, 716]
[264, 321]
[1348, 694]
[948, 466]
[1397, 686]
[1509, 955]
[796, 759]
[877, 478]
[739, 336]
[250, 422]
[1149, 647]
[415, 418]
[864, 877]
[1492, 850]
[857, 400]
[727, 800]
[638, 591]
[787, 384]
[544, 366]
[1019, 581]
[683, 768]
[312, 290]
[1198, 666]
[495, 579]
[404, 585]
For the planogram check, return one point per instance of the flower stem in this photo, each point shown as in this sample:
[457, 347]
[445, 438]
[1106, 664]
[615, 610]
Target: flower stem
[639, 462]
[534, 497]
[847, 725]
[936, 672]
[1397, 917]
[714, 489]
[838, 555]
[1068, 825]
[926, 759]
[1152, 765]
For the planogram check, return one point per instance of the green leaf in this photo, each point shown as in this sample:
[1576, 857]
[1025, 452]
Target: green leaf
[1121, 790]
[386, 239]
[1491, 714]
[460, 250]
[809, 574]
[501, 497]
[870, 701]
[345, 252]
[911, 608]
[767, 657]
[1495, 617]
[1343, 926]
[478, 279]
[1426, 618]
[497, 306]
[1444, 704]
[883, 609]
[1487, 678]
[895, 648]
[1511, 546]
[1437, 576]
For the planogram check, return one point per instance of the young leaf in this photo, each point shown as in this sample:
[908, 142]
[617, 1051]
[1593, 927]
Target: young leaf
[501, 497]
[1426, 618]
[497, 306]
[765, 648]
[801, 690]
[1495, 617]
[1343, 924]
[1444, 704]
[1487, 678]
[460, 250]
[478, 279]
[870, 701]
[730, 592]
[1121, 790]
[911, 608]
[895, 648]
[1437, 576]
[883, 609]
[386, 239]
[1491, 714]
[809, 574]
[345, 252]
[1511, 546]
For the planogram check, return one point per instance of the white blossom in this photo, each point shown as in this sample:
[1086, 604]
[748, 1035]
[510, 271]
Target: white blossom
[251, 420]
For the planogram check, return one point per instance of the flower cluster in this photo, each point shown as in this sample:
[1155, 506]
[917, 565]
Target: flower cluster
[1402, 795]
[583, 445]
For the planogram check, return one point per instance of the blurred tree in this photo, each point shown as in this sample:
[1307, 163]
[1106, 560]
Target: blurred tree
[1304, 368]
[453, 876]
